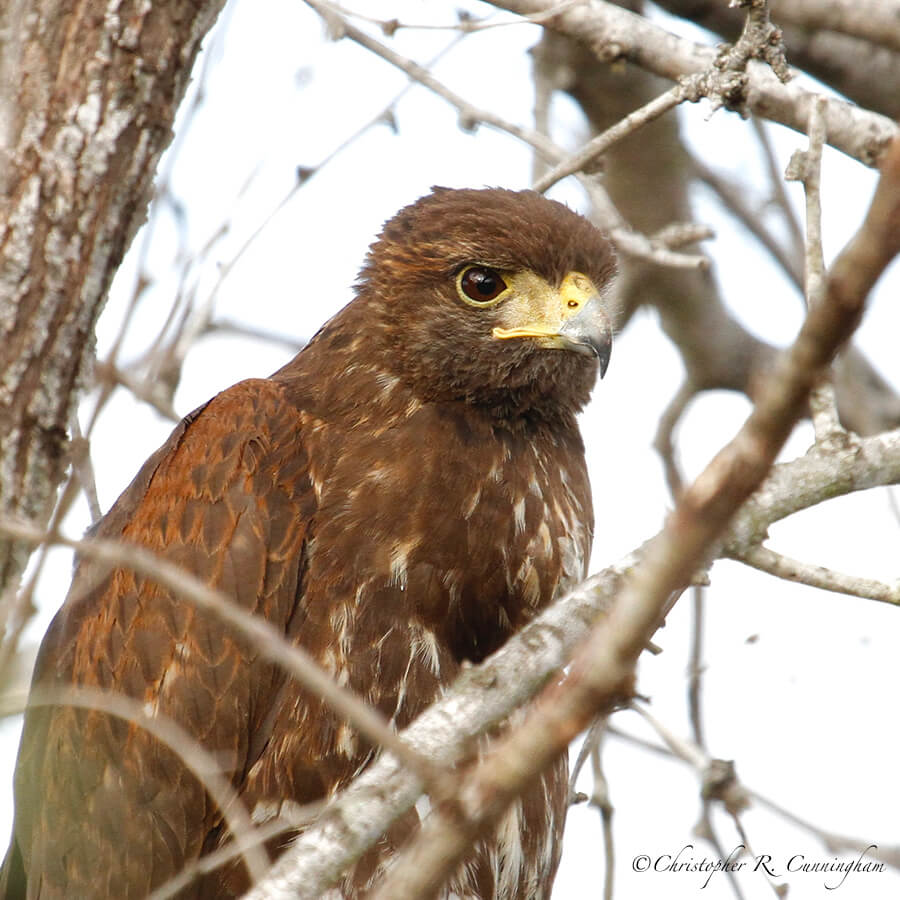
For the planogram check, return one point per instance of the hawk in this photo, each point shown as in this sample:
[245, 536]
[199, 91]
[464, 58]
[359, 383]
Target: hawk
[398, 499]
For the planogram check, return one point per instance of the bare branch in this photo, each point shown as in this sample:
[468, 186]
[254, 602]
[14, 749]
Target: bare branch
[223, 325]
[779, 194]
[759, 39]
[153, 393]
[864, 72]
[464, 23]
[593, 735]
[209, 862]
[471, 116]
[806, 167]
[665, 429]
[600, 798]
[81, 465]
[833, 841]
[598, 145]
[732, 197]
[633, 243]
[696, 665]
[614, 33]
[718, 784]
[826, 471]
[767, 560]
[877, 21]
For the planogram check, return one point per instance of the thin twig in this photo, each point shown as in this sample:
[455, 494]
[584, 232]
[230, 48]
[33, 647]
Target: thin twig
[470, 116]
[718, 783]
[706, 830]
[692, 753]
[633, 243]
[149, 392]
[663, 439]
[464, 23]
[732, 198]
[766, 560]
[806, 166]
[663, 444]
[779, 194]
[835, 843]
[594, 733]
[696, 666]
[209, 862]
[80, 451]
[600, 798]
[203, 321]
[230, 326]
[598, 145]
[20, 610]
[780, 890]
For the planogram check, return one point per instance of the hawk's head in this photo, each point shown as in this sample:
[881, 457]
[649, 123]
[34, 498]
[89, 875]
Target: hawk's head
[494, 296]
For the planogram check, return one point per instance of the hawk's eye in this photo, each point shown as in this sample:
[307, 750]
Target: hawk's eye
[480, 284]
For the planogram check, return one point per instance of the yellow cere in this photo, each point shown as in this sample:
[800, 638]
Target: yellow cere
[535, 309]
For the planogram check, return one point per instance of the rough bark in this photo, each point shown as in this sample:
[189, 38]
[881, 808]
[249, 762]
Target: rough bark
[88, 95]
[864, 71]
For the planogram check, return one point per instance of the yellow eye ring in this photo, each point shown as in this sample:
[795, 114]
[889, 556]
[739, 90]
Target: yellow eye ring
[480, 286]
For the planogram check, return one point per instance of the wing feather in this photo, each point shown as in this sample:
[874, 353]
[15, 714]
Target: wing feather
[229, 498]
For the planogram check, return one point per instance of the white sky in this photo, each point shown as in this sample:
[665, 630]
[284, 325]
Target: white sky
[804, 710]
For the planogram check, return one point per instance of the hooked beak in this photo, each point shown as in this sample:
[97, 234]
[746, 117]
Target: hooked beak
[589, 332]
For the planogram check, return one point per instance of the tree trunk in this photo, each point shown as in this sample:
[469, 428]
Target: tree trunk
[88, 94]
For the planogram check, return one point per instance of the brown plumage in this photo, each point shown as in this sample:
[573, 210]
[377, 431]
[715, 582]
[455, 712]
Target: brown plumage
[397, 499]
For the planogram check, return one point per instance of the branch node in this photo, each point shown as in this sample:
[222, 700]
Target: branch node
[389, 118]
[468, 122]
[389, 27]
[720, 783]
[797, 167]
[760, 40]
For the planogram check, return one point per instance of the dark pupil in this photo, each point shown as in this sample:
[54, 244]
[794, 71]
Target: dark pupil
[485, 283]
[482, 284]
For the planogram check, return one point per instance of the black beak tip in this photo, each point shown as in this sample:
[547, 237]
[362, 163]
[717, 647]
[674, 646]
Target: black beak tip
[602, 350]
[604, 364]
[589, 332]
